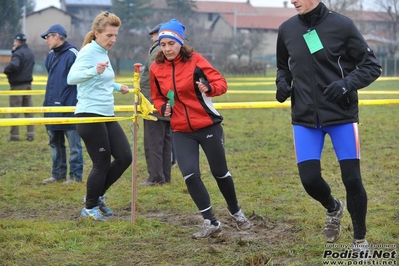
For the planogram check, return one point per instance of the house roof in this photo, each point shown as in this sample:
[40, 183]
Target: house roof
[255, 21]
[247, 16]
[280, 11]
[368, 15]
[224, 7]
[52, 7]
[211, 7]
[107, 3]
[374, 37]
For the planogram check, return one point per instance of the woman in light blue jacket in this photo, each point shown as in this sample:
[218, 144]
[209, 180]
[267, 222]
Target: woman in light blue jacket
[94, 76]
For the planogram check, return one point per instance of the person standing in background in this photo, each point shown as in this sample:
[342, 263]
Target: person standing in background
[182, 84]
[157, 134]
[93, 74]
[20, 76]
[322, 60]
[60, 93]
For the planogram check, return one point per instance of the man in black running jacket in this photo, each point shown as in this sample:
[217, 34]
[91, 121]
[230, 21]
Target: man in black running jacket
[322, 60]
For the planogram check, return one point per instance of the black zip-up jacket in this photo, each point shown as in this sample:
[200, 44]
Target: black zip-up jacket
[19, 70]
[345, 55]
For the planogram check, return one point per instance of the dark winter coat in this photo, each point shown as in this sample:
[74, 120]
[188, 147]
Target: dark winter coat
[19, 70]
[58, 92]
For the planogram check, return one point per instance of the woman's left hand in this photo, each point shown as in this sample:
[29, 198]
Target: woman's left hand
[202, 87]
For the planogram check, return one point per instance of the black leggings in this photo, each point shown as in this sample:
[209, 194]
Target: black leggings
[103, 140]
[356, 197]
[187, 155]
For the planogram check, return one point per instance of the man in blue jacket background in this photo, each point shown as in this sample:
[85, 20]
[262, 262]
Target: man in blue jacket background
[59, 93]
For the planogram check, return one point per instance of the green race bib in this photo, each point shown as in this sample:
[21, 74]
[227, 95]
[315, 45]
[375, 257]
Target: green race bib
[313, 41]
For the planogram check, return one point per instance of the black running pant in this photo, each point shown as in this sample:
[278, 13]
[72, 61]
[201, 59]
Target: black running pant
[186, 146]
[317, 188]
[103, 142]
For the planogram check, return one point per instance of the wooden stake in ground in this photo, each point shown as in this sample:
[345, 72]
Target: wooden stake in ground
[136, 84]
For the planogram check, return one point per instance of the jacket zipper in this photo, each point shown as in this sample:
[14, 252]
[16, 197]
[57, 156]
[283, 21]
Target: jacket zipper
[177, 96]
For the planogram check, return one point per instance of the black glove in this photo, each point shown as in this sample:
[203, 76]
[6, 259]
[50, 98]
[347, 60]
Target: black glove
[335, 91]
[282, 93]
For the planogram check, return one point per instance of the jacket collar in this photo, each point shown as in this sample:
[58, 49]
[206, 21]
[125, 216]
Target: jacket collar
[315, 17]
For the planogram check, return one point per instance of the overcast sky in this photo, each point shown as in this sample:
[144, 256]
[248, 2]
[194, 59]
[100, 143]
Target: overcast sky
[40, 4]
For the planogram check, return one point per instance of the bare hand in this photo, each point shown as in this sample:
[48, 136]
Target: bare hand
[124, 89]
[101, 67]
[167, 110]
[202, 87]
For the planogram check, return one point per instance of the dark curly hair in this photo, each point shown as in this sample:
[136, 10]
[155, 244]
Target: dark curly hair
[186, 52]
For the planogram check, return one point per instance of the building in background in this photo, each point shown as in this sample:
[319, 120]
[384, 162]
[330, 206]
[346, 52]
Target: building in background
[219, 30]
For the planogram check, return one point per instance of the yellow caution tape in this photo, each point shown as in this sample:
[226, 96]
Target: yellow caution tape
[34, 92]
[60, 109]
[273, 92]
[23, 92]
[246, 105]
[275, 104]
[55, 121]
[130, 108]
[40, 92]
[379, 102]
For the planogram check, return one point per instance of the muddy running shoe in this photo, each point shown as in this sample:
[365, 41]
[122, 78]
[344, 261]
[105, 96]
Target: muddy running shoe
[332, 228]
[94, 214]
[208, 229]
[241, 221]
[104, 208]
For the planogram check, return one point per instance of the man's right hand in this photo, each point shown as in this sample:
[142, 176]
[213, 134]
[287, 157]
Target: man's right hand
[282, 93]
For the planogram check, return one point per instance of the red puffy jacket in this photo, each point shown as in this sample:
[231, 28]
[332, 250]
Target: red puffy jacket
[192, 109]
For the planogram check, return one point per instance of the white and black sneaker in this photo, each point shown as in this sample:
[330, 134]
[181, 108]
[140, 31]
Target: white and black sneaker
[208, 229]
[241, 221]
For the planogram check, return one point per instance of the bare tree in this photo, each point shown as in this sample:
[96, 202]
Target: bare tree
[341, 6]
[255, 42]
[392, 9]
[240, 45]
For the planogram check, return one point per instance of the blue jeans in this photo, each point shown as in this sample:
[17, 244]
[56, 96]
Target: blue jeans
[57, 142]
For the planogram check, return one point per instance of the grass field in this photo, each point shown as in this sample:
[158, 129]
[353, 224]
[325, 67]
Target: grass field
[41, 224]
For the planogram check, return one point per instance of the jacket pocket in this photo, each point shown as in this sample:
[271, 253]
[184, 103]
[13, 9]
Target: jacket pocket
[348, 100]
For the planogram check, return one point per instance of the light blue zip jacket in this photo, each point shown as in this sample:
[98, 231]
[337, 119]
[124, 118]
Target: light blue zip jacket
[95, 91]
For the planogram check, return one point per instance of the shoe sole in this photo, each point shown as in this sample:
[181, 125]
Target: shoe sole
[242, 228]
[91, 217]
[333, 241]
[237, 226]
[217, 233]
[106, 214]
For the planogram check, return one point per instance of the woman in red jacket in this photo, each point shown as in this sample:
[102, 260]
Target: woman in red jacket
[182, 83]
